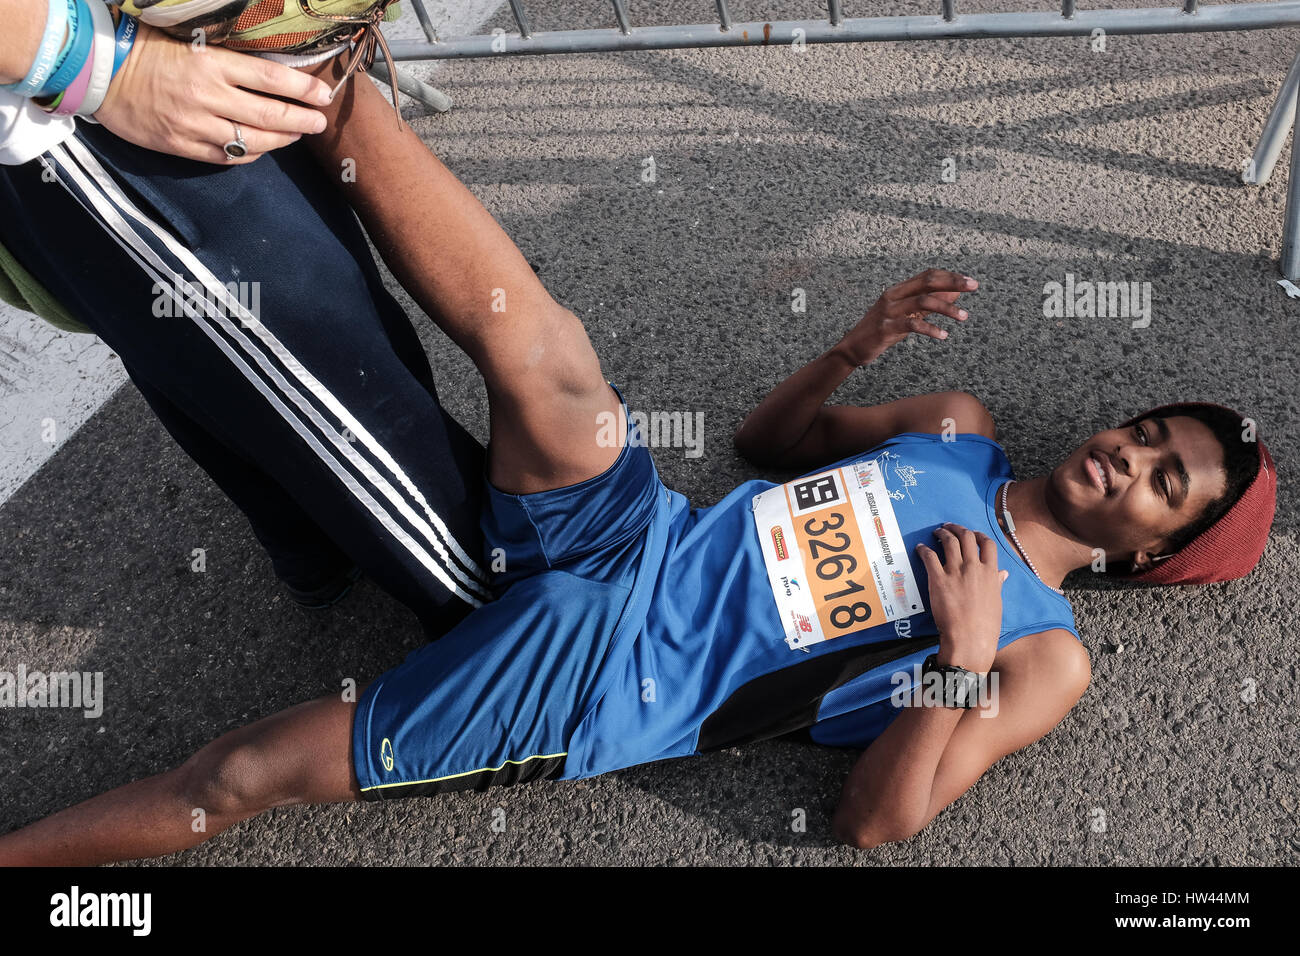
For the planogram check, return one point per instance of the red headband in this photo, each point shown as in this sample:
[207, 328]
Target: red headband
[1231, 547]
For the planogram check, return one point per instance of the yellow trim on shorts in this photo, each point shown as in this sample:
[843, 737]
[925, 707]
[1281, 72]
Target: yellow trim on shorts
[467, 773]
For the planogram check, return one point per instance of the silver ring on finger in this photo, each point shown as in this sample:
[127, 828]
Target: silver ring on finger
[236, 148]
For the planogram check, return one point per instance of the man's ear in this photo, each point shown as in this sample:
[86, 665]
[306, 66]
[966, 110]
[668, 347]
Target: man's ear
[1145, 561]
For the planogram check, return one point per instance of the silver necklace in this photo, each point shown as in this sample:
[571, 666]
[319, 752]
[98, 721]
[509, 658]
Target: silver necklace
[1011, 530]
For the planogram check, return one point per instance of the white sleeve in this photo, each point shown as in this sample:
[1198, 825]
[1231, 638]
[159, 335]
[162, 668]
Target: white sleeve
[26, 130]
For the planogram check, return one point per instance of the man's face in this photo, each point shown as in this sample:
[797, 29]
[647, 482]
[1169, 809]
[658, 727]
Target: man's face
[1127, 490]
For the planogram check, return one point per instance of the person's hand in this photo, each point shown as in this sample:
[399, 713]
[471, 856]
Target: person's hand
[965, 596]
[185, 99]
[902, 309]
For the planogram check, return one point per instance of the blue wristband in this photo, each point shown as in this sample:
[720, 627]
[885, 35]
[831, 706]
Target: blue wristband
[82, 30]
[56, 20]
[127, 28]
[67, 44]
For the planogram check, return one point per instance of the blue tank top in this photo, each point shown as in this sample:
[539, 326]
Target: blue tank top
[711, 666]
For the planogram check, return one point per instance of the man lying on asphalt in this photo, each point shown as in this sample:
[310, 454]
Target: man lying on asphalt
[630, 627]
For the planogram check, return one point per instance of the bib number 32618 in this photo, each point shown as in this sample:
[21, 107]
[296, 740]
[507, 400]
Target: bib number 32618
[834, 554]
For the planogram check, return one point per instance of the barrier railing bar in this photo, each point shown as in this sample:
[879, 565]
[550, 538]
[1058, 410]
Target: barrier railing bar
[426, 24]
[1278, 124]
[517, 8]
[1189, 18]
[724, 15]
[620, 11]
[1210, 18]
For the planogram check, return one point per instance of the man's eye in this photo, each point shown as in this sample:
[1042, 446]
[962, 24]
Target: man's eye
[1163, 481]
[1141, 433]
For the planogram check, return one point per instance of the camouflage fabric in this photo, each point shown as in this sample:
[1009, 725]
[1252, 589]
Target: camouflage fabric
[278, 26]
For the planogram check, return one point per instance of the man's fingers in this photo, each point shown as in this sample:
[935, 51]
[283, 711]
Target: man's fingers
[919, 325]
[988, 549]
[932, 280]
[220, 131]
[263, 112]
[931, 303]
[216, 155]
[275, 79]
[201, 149]
[970, 550]
[931, 561]
[951, 547]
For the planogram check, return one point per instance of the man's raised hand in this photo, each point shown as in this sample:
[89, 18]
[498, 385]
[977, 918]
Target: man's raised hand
[902, 310]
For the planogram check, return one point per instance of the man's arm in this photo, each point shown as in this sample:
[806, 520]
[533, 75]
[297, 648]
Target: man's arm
[19, 40]
[930, 756]
[793, 428]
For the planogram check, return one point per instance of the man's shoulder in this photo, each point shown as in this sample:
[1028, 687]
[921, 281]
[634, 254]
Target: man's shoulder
[1055, 657]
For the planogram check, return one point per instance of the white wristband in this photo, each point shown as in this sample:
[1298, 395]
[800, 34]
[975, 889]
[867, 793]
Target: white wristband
[101, 67]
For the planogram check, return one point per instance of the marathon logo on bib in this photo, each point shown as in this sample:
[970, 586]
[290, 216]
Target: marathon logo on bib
[834, 554]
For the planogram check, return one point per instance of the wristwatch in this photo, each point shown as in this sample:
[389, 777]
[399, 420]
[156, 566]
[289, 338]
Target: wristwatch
[960, 686]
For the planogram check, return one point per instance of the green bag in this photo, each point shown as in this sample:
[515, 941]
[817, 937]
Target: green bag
[22, 291]
[278, 26]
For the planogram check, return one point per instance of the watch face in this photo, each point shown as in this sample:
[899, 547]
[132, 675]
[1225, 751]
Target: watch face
[960, 686]
[965, 689]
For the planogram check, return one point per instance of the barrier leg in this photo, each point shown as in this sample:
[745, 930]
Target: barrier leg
[1291, 224]
[426, 24]
[418, 89]
[1279, 123]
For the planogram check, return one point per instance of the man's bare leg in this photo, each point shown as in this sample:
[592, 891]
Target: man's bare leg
[545, 388]
[547, 395]
[299, 755]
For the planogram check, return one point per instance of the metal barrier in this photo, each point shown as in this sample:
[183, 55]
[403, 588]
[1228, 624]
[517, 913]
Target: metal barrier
[947, 24]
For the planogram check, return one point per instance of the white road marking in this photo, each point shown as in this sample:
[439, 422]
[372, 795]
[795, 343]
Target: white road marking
[51, 382]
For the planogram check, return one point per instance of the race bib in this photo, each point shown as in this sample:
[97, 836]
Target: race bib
[834, 554]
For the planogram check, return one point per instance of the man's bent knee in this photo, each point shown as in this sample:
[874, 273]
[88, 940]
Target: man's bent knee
[554, 354]
[231, 779]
